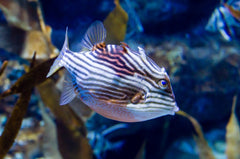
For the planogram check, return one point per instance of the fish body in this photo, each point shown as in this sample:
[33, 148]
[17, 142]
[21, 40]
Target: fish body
[114, 80]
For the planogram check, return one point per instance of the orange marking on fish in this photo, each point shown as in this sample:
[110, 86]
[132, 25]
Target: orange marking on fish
[136, 98]
[99, 46]
[124, 49]
[125, 44]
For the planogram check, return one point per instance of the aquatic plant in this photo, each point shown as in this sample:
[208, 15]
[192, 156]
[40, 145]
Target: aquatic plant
[232, 136]
[116, 24]
[204, 150]
[4, 65]
[14, 122]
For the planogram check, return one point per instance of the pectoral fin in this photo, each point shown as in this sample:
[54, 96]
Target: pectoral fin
[68, 93]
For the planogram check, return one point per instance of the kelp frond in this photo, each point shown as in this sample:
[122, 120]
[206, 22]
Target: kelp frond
[34, 77]
[116, 24]
[233, 134]
[3, 67]
[14, 123]
[205, 152]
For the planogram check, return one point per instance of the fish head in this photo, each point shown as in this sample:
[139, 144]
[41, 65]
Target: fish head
[155, 96]
[153, 101]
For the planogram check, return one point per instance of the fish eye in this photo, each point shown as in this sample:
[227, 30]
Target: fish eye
[163, 84]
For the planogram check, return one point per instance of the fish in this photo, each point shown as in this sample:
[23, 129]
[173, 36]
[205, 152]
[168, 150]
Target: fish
[234, 12]
[225, 19]
[115, 81]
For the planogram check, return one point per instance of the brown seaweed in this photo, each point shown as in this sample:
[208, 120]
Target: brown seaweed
[39, 39]
[4, 65]
[66, 119]
[70, 128]
[233, 134]
[116, 24]
[50, 142]
[34, 77]
[27, 31]
[13, 124]
[21, 14]
[205, 152]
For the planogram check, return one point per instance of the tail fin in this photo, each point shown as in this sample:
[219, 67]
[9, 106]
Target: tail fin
[58, 62]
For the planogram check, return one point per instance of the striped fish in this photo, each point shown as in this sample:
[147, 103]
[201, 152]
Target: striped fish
[114, 80]
[225, 19]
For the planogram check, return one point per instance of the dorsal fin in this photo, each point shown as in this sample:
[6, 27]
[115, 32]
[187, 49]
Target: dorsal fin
[95, 34]
[142, 52]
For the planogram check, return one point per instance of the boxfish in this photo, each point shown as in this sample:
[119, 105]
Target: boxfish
[115, 81]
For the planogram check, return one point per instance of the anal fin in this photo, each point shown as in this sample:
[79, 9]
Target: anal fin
[68, 93]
